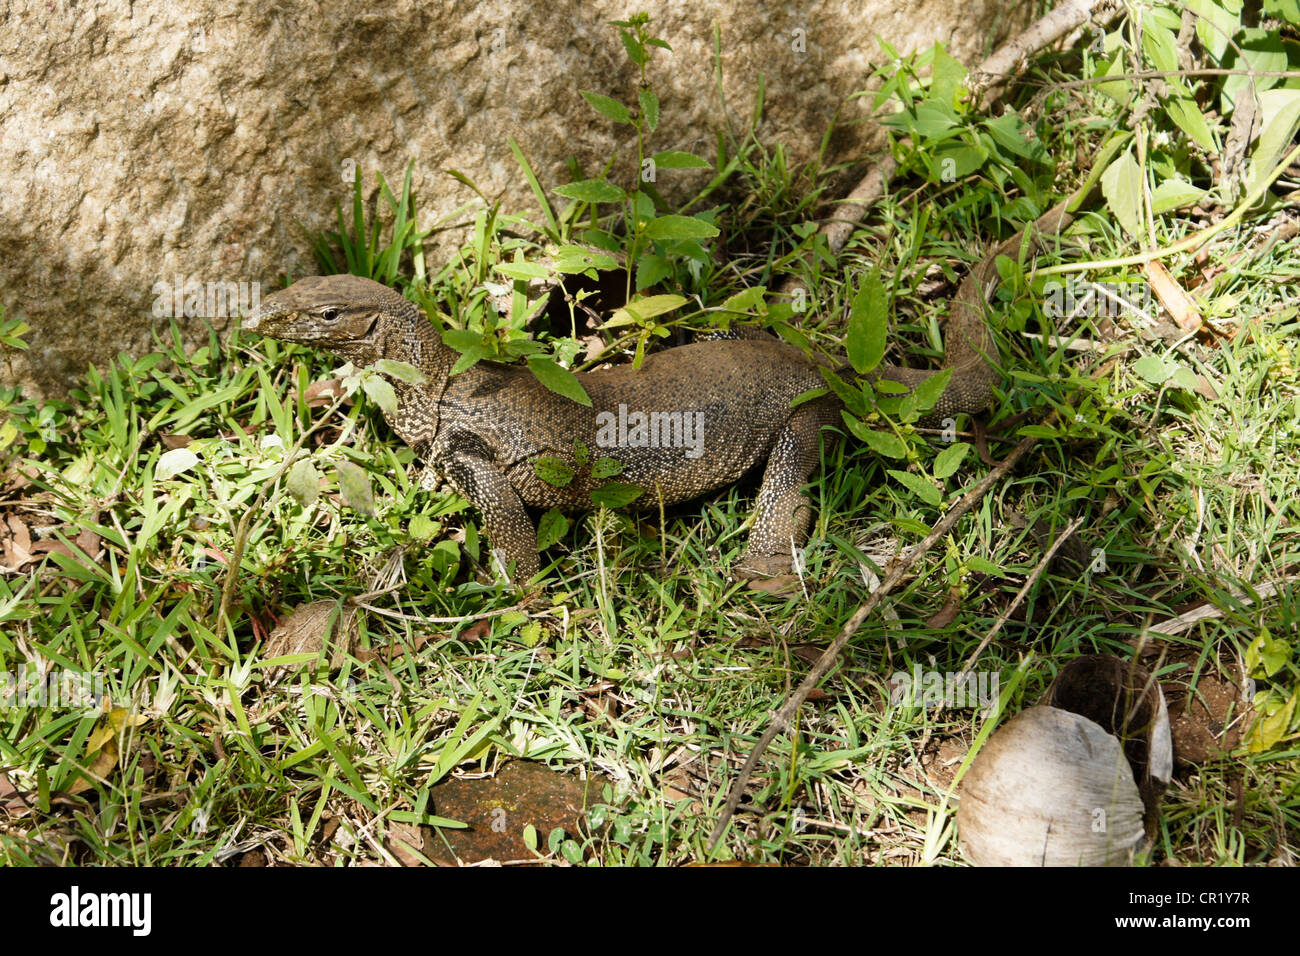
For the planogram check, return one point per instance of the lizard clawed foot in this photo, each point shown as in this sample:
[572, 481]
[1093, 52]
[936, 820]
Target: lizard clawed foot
[767, 572]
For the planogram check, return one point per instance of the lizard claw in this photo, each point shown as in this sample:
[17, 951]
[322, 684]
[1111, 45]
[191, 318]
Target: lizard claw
[755, 566]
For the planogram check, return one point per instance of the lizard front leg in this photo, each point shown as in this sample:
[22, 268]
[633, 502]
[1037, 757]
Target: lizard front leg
[507, 525]
[782, 512]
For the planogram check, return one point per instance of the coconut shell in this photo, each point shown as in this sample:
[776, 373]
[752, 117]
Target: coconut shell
[1050, 788]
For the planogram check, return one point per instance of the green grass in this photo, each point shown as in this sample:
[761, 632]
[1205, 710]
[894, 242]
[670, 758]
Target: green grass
[644, 663]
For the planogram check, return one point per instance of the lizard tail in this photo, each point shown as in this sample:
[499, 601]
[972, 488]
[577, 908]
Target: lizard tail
[971, 351]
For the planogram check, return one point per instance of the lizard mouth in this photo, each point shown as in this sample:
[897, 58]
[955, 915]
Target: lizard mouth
[261, 319]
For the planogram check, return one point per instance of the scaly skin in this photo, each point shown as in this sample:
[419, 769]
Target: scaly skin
[485, 428]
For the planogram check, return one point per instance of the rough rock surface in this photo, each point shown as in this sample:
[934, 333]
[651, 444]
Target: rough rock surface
[142, 142]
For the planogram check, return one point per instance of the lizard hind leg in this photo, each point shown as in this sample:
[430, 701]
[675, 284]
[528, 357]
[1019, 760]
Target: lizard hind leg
[783, 512]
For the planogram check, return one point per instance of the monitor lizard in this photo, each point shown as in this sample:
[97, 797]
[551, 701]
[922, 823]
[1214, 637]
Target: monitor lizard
[486, 427]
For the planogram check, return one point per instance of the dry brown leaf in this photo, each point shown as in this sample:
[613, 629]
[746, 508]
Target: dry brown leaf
[12, 800]
[948, 613]
[89, 542]
[309, 627]
[15, 543]
[52, 544]
[405, 841]
[323, 392]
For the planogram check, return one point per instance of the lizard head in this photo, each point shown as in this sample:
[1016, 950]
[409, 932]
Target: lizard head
[343, 314]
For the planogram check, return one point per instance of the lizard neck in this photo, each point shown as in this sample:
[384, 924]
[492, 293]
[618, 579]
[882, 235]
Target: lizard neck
[408, 336]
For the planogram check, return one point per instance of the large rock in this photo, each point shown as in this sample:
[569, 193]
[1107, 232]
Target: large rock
[142, 142]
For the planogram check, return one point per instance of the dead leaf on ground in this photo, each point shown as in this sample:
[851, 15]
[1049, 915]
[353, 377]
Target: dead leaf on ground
[405, 842]
[15, 543]
[323, 392]
[12, 800]
[477, 631]
[948, 613]
[310, 626]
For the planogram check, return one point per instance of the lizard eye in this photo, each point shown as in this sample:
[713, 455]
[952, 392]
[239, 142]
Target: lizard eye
[329, 315]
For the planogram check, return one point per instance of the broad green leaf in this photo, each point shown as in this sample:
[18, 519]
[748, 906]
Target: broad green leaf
[557, 379]
[616, 494]
[931, 389]
[751, 298]
[635, 51]
[530, 634]
[462, 339]
[1013, 134]
[651, 269]
[523, 270]
[868, 325]
[1153, 369]
[680, 227]
[1274, 721]
[1185, 379]
[1174, 194]
[355, 485]
[949, 460]
[1121, 184]
[551, 527]
[641, 310]
[422, 527]
[948, 76]
[381, 392]
[934, 122]
[553, 471]
[606, 468]
[174, 462]
[303, 482]
[608, 107]
[1184, 111]
[592, 190]
[1215, 25]
[1288, 10]
[1279, 114]
[919, 486]
[1117, 90]
[882, 443]
[1265, 52]
[1104, 156]
[468, 358]
[952, 161]
[676, 159]
[853, 398]
[403, 371]
[649, 108]
[1266, 655]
